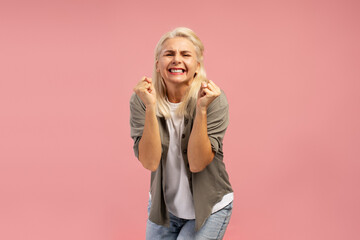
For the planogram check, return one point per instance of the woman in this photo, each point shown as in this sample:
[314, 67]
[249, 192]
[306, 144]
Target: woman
[178, 121]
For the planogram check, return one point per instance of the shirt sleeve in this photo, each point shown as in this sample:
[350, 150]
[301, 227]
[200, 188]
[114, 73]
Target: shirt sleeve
[217, 121]
[137, 121]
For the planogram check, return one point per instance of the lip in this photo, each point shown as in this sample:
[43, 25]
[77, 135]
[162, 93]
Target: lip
[177, 73]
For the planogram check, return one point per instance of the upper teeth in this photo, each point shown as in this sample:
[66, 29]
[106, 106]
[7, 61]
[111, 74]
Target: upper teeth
[176, 70]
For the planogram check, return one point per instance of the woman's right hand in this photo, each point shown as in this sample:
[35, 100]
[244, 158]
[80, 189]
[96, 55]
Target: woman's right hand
[146, 91]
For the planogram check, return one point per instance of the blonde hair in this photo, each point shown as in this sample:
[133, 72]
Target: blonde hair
[188, 103]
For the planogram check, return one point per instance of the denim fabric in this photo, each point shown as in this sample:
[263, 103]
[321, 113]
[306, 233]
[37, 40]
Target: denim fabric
[183, 229]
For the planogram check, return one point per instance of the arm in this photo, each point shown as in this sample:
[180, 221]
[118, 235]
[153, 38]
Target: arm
[150, 143]
[200, 153]
[149, 147]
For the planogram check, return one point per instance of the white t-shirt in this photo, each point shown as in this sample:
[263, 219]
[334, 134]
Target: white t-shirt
[178, 196]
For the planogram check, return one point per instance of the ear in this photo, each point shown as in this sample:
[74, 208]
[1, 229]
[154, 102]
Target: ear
[198, 68]
[157, 67]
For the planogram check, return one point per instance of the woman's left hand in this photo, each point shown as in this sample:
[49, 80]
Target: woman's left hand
[207, 93]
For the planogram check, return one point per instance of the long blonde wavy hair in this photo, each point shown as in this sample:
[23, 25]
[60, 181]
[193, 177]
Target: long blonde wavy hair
[188, 103]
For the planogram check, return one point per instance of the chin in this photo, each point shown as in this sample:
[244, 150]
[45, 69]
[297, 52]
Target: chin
[179, 81]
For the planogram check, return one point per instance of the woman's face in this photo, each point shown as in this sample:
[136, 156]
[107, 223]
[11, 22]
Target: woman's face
[177, 62]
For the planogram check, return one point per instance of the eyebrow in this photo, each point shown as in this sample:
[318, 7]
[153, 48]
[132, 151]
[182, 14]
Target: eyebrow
[171, 51]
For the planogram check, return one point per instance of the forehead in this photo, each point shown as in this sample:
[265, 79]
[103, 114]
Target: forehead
[178, 43]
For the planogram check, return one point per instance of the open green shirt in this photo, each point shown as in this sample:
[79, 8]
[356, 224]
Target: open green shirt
[208, 186]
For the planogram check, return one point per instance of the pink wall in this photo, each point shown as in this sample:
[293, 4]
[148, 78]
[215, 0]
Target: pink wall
[291, 73]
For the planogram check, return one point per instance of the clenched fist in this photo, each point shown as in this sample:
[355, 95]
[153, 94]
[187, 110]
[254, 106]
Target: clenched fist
[207, 93]
[146, 91]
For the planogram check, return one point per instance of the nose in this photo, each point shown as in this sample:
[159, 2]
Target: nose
[176, 59]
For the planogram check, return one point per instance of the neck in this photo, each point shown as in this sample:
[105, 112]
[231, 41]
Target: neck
[176, 92]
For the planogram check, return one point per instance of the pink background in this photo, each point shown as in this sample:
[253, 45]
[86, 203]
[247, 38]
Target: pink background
[290, 70]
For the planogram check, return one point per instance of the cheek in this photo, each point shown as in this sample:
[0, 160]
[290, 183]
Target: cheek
[161, 67]
[192, 66]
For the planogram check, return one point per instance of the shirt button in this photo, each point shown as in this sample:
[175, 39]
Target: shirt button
[183, 136]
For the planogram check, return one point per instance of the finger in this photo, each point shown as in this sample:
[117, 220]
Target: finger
[211, 86]
[143, 79]
[144, 84]
[142, 87]
[140, 83]
[214, 87]
[201, 93]
[211, 82]
[151, 88]
[208, 92]
[149, 80]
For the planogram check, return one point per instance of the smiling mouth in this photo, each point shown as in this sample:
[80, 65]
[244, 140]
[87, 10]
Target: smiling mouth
[176, 70]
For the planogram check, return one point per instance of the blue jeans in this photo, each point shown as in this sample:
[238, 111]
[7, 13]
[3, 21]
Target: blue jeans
[183, 229]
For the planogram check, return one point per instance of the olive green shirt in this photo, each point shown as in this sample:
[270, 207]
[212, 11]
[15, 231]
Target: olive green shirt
[208, 186]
